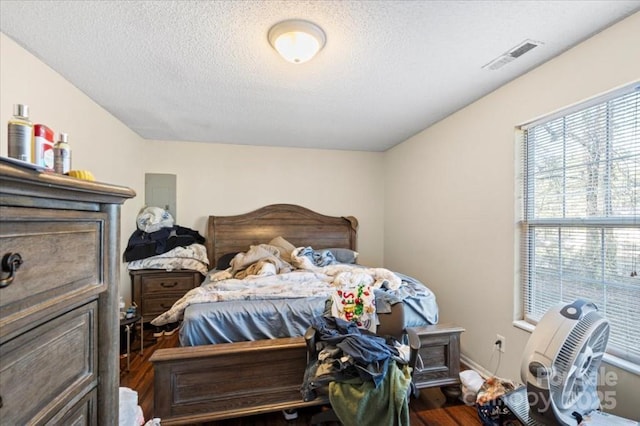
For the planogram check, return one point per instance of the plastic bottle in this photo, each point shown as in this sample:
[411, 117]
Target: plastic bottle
[20, 133]
[43, 146]
[62, 155]
[122, 307]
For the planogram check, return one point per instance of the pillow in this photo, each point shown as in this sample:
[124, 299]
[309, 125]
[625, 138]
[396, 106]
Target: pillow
[224, 261]
[344, 255]
[284, 246]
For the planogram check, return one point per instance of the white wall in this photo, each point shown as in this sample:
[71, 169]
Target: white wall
[450, 206]
[211, 178]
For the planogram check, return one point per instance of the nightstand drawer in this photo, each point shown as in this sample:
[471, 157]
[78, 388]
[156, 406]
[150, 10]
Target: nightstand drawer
[174, 282]
[154, 306]
[155, 291]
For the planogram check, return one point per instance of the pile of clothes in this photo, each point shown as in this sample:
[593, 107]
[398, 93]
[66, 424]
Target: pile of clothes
[367, 376]
[159, 243]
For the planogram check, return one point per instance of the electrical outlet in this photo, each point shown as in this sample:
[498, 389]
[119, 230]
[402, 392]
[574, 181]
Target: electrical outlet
[500, 343]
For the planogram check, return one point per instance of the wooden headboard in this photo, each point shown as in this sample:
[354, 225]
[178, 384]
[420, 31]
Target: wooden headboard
[298, 225]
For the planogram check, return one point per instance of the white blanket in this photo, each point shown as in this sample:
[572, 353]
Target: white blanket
[192, 257]
[318, 282]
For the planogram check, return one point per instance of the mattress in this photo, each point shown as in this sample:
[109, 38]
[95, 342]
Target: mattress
[248, 320]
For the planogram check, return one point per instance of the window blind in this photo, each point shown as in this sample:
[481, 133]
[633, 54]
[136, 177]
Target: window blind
[580, 225]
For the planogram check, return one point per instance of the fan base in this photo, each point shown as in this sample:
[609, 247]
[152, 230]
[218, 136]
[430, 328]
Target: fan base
[517, 402]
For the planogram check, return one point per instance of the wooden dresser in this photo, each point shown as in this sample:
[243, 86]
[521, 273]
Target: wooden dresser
[155, 291]
[59, 308]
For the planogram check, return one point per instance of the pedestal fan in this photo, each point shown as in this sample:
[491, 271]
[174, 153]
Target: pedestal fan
[560, 369]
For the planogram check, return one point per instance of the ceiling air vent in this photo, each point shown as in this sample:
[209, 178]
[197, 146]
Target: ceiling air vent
[512, 54]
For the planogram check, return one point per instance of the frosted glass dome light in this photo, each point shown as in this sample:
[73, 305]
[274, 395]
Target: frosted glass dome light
[297, 41]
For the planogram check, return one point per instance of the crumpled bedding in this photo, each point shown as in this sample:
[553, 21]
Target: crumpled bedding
[193, 257]
[295, 284]
[264, 260]
[240, 321]
[267, 260]
[316, 257]
[151, 219]
[260, 260]
[260, 273]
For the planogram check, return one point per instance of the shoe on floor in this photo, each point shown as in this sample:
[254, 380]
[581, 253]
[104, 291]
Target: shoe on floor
[169, 329]
[158, 331]
[290, 414]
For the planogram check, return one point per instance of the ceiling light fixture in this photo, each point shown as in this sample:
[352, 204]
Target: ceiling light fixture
[296, 40]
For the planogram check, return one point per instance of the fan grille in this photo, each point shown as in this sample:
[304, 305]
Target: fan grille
[576, 366]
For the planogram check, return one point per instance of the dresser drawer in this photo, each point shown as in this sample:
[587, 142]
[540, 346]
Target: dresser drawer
[62, 263]
[82, 413]
[52, 364]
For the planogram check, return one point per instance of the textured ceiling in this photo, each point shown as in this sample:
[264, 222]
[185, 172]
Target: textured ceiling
[204, 70]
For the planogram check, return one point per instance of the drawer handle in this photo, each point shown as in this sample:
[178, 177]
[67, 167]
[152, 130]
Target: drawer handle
[165, 285]
[10, 263]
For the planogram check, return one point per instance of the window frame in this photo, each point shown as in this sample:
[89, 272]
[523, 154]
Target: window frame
[527, 223]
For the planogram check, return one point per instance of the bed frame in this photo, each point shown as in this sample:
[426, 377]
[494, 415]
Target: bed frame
[214, 382]
[298, 225]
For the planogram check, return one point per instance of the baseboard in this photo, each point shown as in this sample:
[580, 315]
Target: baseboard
[475, 366]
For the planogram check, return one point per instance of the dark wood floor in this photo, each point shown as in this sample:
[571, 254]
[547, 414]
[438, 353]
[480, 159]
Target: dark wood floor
[429, 409]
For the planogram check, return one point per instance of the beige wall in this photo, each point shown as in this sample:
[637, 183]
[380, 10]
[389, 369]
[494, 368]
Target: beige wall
[225, 179]
[450, 206]
[211, 178]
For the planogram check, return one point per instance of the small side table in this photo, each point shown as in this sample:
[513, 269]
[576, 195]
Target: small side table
[128, 323]
[440, 355]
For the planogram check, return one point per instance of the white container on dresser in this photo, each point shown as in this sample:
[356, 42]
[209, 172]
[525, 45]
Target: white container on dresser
[59, 323]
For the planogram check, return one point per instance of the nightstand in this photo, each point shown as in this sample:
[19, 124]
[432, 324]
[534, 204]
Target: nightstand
[440, 352]
[155, 291]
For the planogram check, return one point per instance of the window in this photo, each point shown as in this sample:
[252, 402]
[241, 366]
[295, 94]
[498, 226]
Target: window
[580, 225]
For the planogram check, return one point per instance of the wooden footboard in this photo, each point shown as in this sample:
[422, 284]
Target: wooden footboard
[213, 382]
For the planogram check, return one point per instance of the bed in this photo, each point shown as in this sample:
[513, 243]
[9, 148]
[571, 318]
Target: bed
[224, 373]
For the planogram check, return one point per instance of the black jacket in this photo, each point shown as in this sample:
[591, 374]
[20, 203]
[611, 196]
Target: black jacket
[142, 245]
